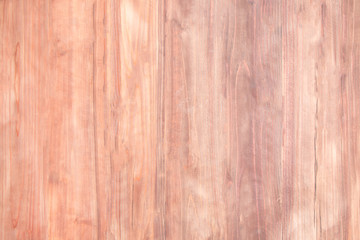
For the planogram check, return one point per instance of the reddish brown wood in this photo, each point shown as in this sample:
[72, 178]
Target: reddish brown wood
[179, 119]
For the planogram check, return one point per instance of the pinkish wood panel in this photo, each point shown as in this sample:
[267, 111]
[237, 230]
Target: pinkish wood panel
[172, 119]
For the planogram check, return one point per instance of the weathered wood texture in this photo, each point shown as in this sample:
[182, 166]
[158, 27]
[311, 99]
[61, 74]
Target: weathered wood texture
[180, 119]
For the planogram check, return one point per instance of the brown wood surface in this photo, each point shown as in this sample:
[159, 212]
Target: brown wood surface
[180, 119]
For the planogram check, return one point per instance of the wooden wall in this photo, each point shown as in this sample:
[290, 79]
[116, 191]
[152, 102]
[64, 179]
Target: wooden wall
[180, 119]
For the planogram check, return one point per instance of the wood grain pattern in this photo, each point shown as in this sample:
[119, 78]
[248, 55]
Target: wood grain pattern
[180, 119]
